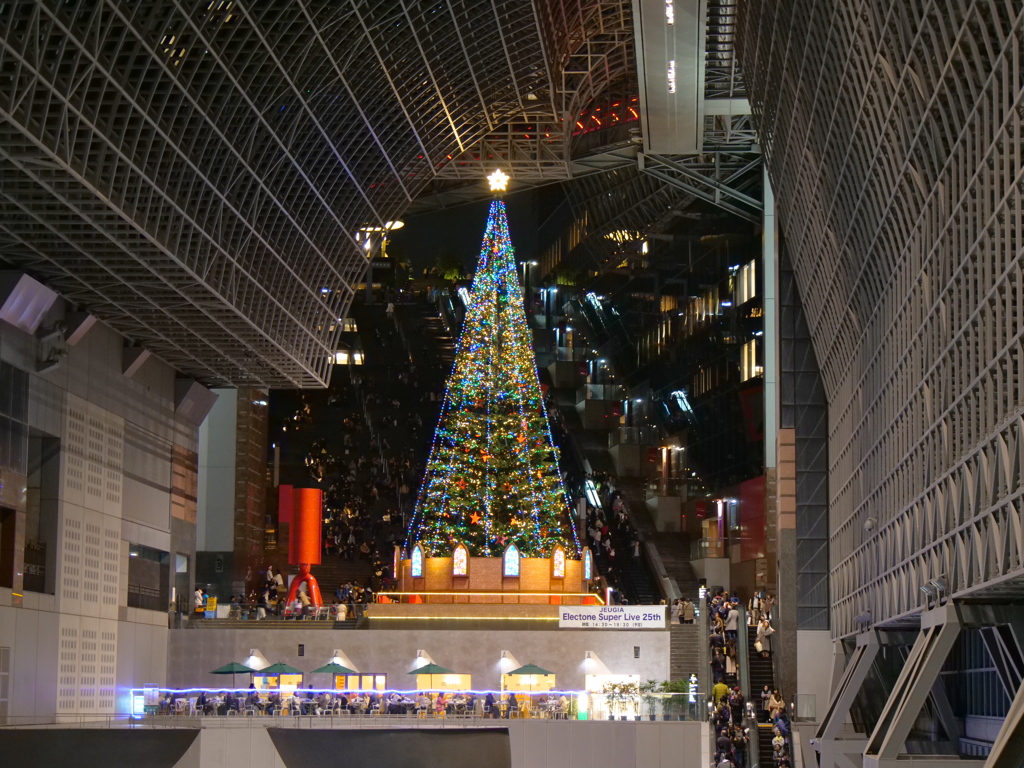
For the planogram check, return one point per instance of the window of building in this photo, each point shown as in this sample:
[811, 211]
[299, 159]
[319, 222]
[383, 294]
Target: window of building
[148, 578]
[511, 561]
[746, 283]
[558, 564]
[13, 419]
[749, 367]
[416, 566]
[460, 561]
[588, 566]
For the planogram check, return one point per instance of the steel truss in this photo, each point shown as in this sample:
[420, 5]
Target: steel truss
[918, 684]
[195, 174]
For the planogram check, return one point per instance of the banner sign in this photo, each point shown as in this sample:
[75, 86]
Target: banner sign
[612, 617]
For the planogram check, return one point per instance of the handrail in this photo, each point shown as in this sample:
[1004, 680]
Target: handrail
[669, 587]
[743, 653]
[754, 734]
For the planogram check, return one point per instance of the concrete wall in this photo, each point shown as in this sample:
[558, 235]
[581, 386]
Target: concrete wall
[40, 656]
[192, 653]
[215, 509]
[534, 744]
[715, 569]
[80, 648]
[814, 649]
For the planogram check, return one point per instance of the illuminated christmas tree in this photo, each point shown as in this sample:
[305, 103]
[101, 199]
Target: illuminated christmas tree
[493, 479]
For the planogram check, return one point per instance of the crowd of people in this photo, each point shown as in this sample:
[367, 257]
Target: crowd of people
[611, 539]
[727, 701]
[320, 702]
[369, 468]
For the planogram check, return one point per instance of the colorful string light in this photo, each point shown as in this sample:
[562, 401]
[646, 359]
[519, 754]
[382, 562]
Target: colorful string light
[492, 479]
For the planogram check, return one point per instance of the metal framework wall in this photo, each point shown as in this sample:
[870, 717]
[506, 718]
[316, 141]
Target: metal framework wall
[892, 133]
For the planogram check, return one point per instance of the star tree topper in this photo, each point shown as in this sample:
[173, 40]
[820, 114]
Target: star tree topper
[498, 180]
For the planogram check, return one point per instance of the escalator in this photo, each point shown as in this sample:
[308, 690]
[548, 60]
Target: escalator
[761, 674]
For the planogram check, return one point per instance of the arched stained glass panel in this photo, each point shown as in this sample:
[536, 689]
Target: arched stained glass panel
[558, 564]
[460, 561]
[511, 563]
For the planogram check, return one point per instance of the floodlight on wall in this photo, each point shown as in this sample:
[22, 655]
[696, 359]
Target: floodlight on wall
[508, 662]
[51, 332]
[939, 585]
[929, 590]
[864, 618]
[256, 660]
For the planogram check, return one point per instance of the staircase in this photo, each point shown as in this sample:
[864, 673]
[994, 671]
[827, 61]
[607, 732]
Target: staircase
[636, 584]
[685, 651]
[761, 674]
[674, 550]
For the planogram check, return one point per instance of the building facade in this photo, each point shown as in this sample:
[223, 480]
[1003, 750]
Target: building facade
[98, 506]
[891, 135]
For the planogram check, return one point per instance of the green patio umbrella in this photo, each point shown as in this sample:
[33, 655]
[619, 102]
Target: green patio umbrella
[233, 669]
[276, 670]
[334, 668]
[530, 669]
[431, 669]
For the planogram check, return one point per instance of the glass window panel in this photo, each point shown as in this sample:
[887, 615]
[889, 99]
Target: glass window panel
[19, 448]
[6, 388]
[417, 562]
[511, 561]
[558, 566]
[5, 442]
[19, 395]
[460, 561]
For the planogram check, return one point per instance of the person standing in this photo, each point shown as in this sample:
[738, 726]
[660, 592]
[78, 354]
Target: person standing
[763, 642]
[754, 610]
[199, 600]
[732, 622]
[767, 603]
[686, 612]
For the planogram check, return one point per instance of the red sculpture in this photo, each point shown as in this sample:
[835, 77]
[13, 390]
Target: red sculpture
[304, 541]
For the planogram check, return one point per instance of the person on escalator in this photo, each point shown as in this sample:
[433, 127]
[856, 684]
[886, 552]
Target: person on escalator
[736, 704]
[723, 746]
[719, 692]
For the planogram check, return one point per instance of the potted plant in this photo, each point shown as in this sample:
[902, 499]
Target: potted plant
[673, 706]
[648, 689]
[628, 692]
[611, 698]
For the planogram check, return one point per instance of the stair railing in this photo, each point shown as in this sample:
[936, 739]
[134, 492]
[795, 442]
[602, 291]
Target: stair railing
[743, 653]
[753, 736]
